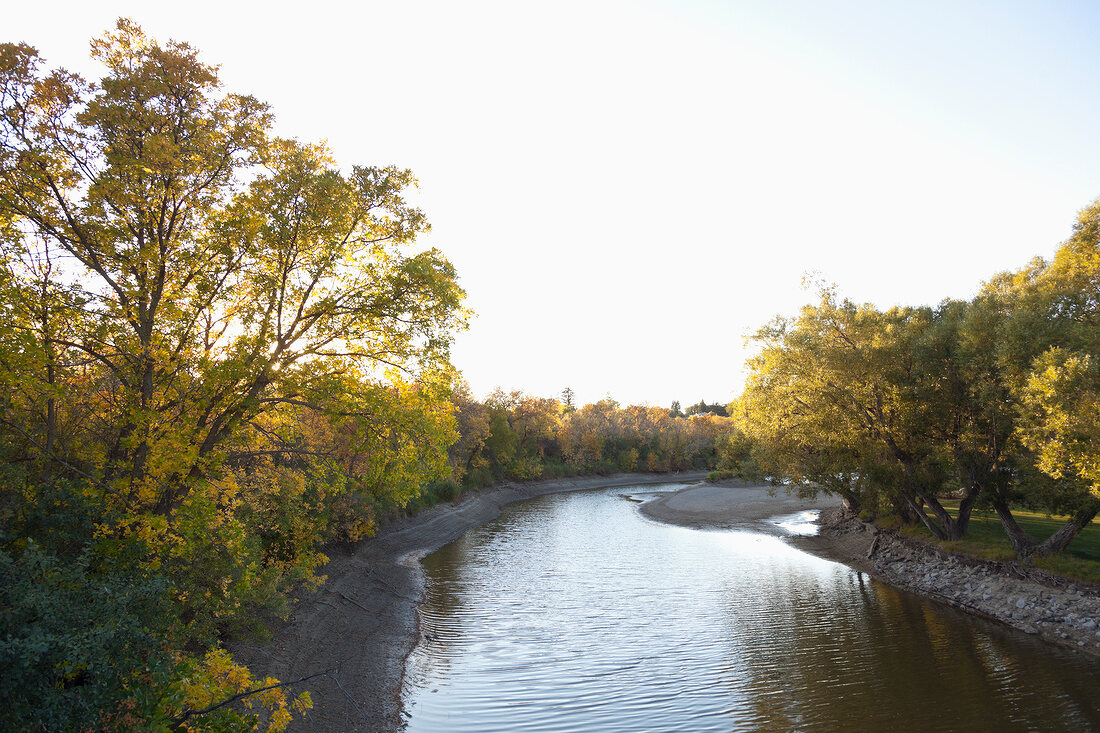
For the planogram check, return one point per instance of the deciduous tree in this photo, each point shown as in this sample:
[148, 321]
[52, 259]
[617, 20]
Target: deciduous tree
[214, 272]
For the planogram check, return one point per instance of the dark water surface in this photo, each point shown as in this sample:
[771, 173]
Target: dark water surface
[572, 612]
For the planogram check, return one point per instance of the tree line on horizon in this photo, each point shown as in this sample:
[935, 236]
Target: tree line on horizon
[513, 436]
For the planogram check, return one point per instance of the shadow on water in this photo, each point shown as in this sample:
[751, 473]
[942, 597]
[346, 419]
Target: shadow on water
[570, 612]
[867, 657]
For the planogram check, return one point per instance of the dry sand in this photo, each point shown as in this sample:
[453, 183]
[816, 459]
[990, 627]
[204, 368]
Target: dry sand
[729, 505]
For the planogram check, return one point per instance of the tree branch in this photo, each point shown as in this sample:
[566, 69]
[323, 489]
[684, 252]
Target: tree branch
[53, 456]
[242, 695]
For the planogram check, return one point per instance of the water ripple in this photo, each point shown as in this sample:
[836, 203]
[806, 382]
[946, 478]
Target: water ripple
[570, 613]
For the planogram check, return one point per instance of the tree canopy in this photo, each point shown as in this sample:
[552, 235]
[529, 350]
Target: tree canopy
[989, 401]
[229, 346]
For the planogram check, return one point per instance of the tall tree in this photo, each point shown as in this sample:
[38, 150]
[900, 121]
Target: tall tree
[848, 397]
[215, 273]
[567, 399]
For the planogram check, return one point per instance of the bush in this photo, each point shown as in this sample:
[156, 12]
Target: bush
[558, 469]
[477, 478]
[62, 515]
[527, 468]
[444, 490]
[80, 649]
[604, 468]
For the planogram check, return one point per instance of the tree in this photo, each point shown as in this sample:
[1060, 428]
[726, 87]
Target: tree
[1051, 355]
[535, 420]
[233, 343]
[467, 454]
[567, 398]
[702, 408]
[800, 435]
[994, 399]
[850, 399]
[203, 301]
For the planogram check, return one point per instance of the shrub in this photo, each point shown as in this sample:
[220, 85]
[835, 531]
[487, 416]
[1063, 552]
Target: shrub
[476, 478]
[444, 490]
[80, 649]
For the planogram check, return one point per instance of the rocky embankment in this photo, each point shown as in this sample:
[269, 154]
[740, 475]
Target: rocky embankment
[1020, 596]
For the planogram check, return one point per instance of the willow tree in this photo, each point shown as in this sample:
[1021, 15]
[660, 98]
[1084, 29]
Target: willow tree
[854, 400]
[206, 272]
[782, 414]
[1052, 357]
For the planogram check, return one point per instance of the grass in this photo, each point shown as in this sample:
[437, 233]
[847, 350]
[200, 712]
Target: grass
[985, 538]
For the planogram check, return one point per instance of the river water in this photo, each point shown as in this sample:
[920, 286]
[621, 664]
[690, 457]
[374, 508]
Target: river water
[572, 612]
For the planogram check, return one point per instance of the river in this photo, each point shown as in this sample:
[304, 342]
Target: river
[572, 612]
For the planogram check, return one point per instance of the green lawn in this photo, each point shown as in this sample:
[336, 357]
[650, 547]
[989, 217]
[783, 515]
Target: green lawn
[986, 538]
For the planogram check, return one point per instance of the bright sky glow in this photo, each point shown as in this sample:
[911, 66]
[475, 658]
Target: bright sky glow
[628, 188]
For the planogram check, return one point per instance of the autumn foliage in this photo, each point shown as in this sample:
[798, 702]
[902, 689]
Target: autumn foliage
[989, 402]
[218, 352]
[515, 436]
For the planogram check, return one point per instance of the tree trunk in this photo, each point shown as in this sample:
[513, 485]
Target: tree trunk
[1060, 539]
[966, 506]
[934, 528]
[950, 528]
[904, 511]
[1021, 540]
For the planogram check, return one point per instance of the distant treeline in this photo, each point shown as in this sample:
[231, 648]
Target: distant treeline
[514, 436]
[992, 402]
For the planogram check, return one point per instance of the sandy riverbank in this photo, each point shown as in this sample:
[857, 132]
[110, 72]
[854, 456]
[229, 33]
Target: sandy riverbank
[729, 505]
[360, 626]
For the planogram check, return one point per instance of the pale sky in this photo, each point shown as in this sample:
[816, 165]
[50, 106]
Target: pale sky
[629, 188]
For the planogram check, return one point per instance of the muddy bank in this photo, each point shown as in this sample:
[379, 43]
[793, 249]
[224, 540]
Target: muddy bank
[357, 630]
[1025, 598]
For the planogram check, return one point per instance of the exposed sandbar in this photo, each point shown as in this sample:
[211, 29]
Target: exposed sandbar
[729, 505]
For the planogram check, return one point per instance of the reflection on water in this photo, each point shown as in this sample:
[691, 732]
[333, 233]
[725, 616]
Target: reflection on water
[802, 523]
[572, 612]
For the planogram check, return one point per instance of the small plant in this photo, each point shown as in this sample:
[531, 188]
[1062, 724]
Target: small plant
[444, 490]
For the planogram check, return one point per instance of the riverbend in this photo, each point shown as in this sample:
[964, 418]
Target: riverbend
[575, 612]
